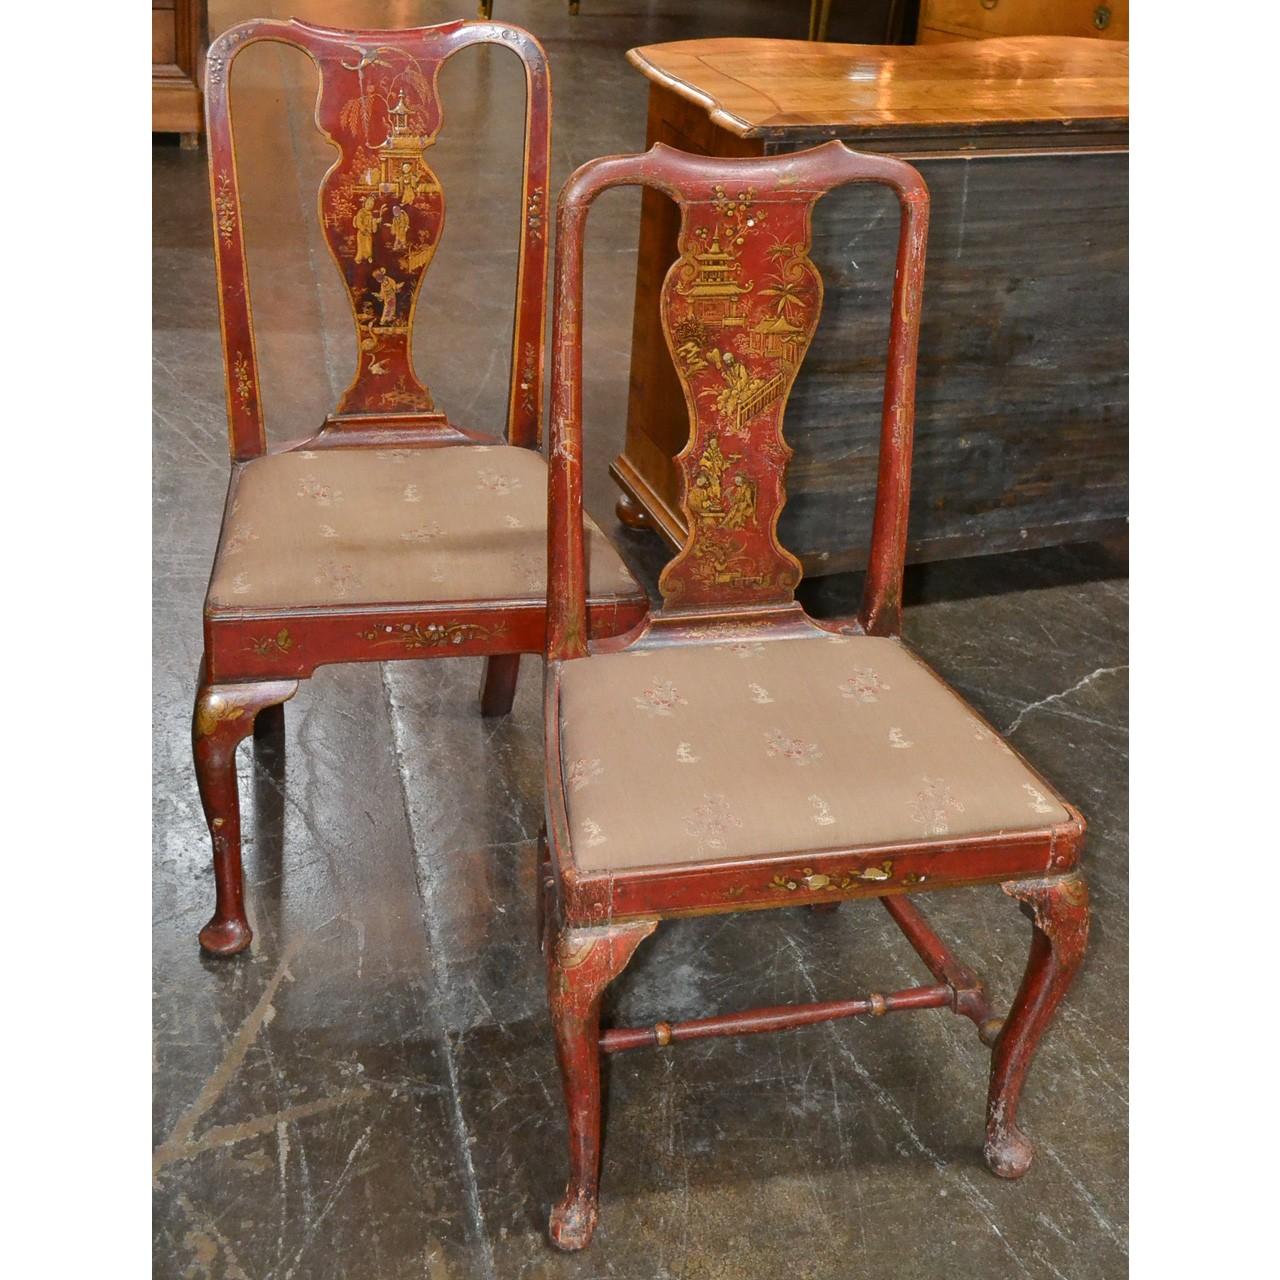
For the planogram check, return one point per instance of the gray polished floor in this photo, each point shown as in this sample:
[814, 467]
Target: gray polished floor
[371, 1091]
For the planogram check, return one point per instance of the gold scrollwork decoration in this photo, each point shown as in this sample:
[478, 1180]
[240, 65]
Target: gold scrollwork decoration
[213, 711]
[812, 881]
[244, 385]
[428, 635]
[225, 209]
[266, 646]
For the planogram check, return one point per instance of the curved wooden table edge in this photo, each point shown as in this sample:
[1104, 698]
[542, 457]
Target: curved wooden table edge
[743, 128]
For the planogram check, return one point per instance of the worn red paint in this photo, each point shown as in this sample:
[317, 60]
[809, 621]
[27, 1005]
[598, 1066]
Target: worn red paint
[382, 211]
[732, 579]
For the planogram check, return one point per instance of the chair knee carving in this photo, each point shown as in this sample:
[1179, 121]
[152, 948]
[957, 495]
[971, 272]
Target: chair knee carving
[732, 753]
[390, 533]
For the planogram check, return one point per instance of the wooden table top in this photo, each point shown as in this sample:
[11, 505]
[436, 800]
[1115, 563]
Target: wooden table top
[773, 88]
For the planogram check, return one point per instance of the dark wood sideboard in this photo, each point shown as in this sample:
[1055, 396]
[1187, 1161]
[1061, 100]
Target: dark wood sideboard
[1022, 429]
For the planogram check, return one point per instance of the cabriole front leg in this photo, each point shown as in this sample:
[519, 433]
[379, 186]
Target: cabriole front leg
[1059, 911]
[580, 965]
[224, 716]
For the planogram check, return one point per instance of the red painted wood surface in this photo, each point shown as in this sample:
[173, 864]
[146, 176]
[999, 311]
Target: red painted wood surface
[738, 310]
[381, 211]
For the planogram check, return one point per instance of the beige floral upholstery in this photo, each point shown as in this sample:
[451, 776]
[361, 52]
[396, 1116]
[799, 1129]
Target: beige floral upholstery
[394, 526]
[787, 746]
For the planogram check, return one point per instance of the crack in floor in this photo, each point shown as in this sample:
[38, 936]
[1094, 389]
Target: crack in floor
[461, 1133]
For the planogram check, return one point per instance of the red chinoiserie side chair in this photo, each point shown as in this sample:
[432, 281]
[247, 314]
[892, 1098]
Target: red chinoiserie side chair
[732, 753]
[390, 533]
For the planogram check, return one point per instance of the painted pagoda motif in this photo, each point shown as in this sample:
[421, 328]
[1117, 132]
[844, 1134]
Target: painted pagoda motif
[739, 313]
[714, 290]
[383, 213]
[401, 174]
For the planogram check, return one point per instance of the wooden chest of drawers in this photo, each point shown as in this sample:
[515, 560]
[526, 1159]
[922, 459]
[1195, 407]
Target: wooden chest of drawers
[1022, 399]
[981, 19]
[179, 36]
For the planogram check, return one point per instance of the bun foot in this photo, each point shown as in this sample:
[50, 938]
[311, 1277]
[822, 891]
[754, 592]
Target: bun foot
[573, 1221]
[1009, 1152]
[225, 937]
[632, 514]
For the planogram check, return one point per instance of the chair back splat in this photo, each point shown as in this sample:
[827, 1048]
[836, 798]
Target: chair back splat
[382, 214]
[739, 309]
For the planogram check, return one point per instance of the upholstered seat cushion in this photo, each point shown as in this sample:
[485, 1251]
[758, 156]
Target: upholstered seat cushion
[745, 749]
[394, 526]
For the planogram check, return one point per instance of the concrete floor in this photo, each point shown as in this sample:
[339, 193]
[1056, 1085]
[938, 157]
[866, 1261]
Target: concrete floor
[371, 1091]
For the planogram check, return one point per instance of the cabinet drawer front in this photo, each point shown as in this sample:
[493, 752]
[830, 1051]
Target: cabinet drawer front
[1028, 17]
[164, 43]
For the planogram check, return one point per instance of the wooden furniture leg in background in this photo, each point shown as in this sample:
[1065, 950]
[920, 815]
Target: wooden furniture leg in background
[819, 17]
[498, 687]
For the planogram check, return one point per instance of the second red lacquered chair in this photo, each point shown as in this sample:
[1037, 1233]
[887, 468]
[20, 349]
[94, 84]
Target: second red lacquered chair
[733, 754]
[392, 533]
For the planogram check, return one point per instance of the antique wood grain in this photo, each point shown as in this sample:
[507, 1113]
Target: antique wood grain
[762, 88]
[1023, 401]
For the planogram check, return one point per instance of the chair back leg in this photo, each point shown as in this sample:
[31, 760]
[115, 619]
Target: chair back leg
[498, 686]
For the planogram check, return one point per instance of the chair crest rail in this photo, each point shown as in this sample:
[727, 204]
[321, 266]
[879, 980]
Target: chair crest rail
[739, 309]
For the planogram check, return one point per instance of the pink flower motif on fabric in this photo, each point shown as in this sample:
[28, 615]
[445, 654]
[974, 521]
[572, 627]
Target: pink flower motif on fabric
[496, 482]
[323, 495]
[239, 539]
[863, 686]
[796, 749]
[711, 821]
[423, 533]
[660, 699]
[338, 577]
[743, 648]
[933, 806]
[582, 772]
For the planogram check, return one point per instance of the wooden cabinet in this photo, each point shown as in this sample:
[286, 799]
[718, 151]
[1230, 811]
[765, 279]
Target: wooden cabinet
[982, 19]
[1022, 397]
[179, 37]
